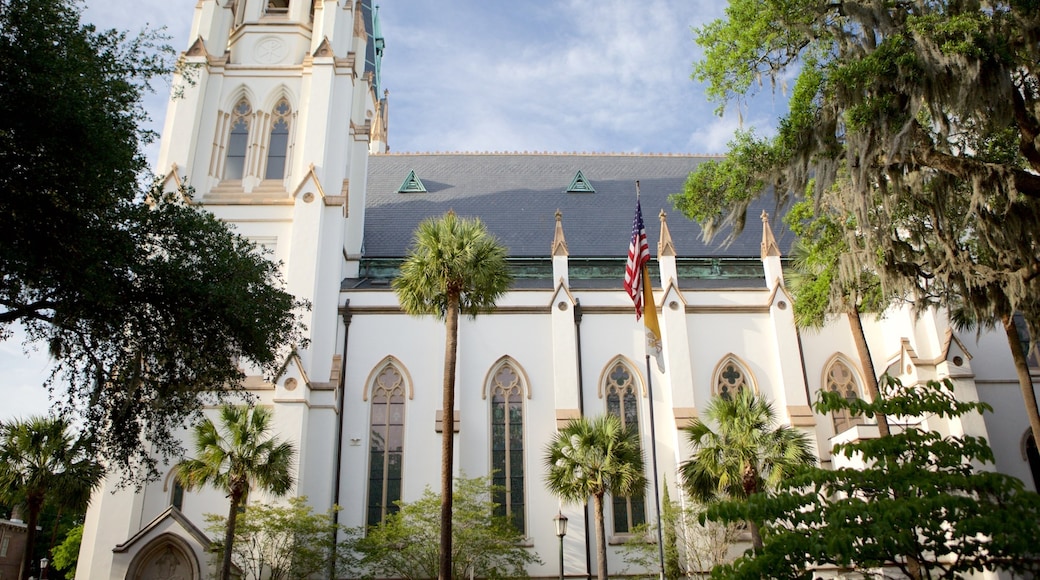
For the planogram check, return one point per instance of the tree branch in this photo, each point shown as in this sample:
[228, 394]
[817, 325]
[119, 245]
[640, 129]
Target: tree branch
[1025, 182]
[16, 312]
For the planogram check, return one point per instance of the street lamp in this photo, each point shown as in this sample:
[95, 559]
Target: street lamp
[43, 568]
[561, 531]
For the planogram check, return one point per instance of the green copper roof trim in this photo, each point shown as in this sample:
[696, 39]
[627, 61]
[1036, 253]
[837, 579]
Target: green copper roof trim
[412, 184]
[580, 185]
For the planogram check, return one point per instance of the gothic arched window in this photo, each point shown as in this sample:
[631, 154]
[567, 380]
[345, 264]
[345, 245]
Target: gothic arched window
[238, 141]
[840, 378]
[177, 495]
[278, 144]
[506, 389]
[386, 448]
[621, 389]
[731, 376]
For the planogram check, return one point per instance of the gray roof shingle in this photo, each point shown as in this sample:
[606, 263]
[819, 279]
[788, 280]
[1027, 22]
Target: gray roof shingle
[517, 194]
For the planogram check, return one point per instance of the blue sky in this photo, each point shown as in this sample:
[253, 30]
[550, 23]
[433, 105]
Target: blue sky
[479, 75]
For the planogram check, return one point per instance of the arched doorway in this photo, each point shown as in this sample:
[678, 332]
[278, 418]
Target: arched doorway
[167, 557]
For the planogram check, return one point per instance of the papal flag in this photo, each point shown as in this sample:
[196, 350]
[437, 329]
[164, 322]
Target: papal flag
[637, 284]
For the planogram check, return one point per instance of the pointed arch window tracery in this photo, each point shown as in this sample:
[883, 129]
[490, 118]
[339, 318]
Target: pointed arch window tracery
[278, 141]
[620, 387]
[388, 388]
[731, 376]
[238, 140]
[506, 387]
[838, 377]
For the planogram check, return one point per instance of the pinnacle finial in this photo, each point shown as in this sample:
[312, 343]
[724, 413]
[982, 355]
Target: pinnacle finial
[769, 246]
[665, 247]
[559, 244]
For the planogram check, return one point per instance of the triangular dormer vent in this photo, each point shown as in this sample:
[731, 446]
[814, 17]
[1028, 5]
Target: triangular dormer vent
[580, 185]
[412, 184]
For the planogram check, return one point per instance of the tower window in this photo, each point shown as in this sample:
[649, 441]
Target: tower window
[238, 141]
[277, 6]
[278, 147]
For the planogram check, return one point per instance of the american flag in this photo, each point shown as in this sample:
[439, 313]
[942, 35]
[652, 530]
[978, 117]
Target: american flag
[638, 256]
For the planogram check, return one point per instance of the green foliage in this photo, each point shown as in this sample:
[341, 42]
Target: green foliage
[747, 455]
[820, 253]
[65, 555]
[405, 545]
[920, 121]
[452, 256]
[237, 454]
[453, 266]
[42, 462]
[284, 542]
[591, 458]
[143, 300]
[922, 503]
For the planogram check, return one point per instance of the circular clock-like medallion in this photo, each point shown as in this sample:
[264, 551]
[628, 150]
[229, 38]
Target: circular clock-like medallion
[270, 50]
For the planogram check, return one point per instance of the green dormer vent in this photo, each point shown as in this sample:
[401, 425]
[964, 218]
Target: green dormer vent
[580, 185]
[412, 184]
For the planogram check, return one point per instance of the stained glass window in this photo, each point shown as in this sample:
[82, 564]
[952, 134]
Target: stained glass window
[507, 442]
[621, 389]
[386, 449]
[840, 379]
[278, 146]
[238, 141]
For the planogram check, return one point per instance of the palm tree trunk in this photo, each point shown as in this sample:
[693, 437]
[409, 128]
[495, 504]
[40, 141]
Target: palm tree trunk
[448, 431]
[750, 487]
[1025, 382]
[229, 535]
[34, 505]
[601, 538]
[868, 366]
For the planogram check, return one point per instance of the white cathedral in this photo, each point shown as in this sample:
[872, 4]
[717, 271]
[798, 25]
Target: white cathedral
[284, 135]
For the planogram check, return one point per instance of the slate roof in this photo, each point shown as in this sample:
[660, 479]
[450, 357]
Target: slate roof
[517, 194]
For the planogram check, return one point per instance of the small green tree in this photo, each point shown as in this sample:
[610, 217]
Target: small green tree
[921, 504]
[43, 461]
[65, 555]
[236, 454]
[594, 457]
[282, 542]
[405, 544]
[747, 455]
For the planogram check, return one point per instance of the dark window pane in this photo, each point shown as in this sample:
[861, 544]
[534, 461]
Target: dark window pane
[620, 515]
[638, 512]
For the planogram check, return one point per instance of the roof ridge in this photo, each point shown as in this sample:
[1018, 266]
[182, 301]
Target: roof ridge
[548, 153]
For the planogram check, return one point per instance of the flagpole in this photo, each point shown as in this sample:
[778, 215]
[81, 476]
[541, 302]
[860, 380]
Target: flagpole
[637, 283]
[653, 443]
[653, 455]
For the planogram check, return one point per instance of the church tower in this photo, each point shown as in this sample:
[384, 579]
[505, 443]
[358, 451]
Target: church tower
[274, 113]
[279, 109]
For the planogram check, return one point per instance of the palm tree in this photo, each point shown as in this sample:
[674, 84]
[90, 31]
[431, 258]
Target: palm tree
[747, 455]
[594, 457]
[454, 266]
[237, 455]
[821, 289]
[41, 461]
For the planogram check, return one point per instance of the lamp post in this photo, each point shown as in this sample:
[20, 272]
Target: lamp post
[561, 531]
[43, 568]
